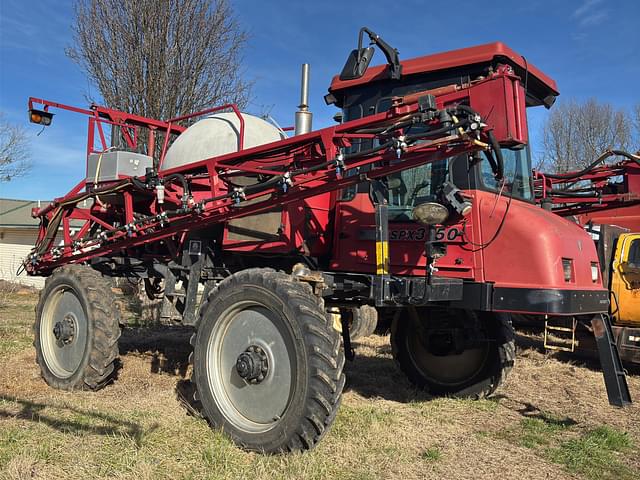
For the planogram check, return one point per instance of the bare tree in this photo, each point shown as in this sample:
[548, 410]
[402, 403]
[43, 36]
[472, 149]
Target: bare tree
[636, 126]
[14, 150]
[576, 133]
[161, 58]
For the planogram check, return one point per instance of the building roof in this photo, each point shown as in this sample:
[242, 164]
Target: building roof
[17, 213]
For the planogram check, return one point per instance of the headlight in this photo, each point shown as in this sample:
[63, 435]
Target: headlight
[430, 213]
[595, 268]
[567, 268]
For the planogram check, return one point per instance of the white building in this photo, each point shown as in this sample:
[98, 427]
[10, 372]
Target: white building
[18, 235]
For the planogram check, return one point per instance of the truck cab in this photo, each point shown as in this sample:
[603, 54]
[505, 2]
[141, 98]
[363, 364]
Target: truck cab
[625, 281]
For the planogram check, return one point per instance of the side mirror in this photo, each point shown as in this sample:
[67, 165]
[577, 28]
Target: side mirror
[357, 63]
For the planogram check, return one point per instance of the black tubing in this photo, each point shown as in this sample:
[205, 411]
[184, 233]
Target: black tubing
[499, 172]
[595, 163]
[181, 179]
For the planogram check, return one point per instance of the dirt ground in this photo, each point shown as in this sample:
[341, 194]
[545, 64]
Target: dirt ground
[551, 420]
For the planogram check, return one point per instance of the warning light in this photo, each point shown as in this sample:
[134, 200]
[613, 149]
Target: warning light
[40, 117]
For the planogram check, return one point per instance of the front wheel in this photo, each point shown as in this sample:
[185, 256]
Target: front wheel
[77, 329]
[267, 362]
[454, 352]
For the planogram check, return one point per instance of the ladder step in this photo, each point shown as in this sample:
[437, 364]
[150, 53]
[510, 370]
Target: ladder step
[559, 341]
[560, 329]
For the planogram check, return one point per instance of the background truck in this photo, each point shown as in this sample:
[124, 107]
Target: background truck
[419, 202]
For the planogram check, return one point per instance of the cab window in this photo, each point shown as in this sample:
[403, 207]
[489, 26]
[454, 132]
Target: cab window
[633, 259]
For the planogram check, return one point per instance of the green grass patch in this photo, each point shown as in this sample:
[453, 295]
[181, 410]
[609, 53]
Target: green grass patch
[431, 454]
[595, 454]
[541, 430]
[598, 453]
[13, 344]
[354, 419]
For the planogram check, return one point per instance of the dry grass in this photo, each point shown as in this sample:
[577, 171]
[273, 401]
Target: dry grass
[539, 426]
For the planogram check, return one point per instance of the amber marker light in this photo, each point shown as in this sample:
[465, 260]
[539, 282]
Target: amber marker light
[41, 117]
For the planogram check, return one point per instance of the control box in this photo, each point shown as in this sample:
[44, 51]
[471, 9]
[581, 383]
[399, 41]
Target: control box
[110, 166]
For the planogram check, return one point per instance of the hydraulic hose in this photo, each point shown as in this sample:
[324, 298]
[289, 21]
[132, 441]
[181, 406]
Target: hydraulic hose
[431, 133]
[499, 164]
[598, 161]
[181, 179]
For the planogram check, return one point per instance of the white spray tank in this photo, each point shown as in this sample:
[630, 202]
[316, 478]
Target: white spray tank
[219, 134]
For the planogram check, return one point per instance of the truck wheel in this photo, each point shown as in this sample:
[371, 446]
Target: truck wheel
[76, 329]
[364, 322]
[267, 362]
[431, 361]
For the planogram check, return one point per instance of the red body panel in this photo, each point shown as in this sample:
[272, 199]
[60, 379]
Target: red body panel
[509, 106]
[548, 239]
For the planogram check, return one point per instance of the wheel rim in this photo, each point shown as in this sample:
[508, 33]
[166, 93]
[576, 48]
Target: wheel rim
[63, 332]
[449, 370]
[250, 329]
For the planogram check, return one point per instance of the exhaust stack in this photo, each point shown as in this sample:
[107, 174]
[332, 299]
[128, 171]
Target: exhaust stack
[303, 115]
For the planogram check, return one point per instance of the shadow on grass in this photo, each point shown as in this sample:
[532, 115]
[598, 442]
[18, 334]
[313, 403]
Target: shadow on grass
[371, 376]
[166, 347]
[529, 410]
[82, 421]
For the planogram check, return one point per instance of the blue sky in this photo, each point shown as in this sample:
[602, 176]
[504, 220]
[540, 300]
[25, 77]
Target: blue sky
[590, 47]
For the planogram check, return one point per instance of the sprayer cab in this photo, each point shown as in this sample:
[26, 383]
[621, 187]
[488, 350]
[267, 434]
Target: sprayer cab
[483, 203]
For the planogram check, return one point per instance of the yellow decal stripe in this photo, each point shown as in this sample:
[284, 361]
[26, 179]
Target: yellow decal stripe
[382, 258]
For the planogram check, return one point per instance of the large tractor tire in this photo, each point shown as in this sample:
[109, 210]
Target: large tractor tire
[429, 358]
[267, 363]
[77, 329]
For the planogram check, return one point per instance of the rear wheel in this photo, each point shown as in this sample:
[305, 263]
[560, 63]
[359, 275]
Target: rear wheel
[77, 329]
[267, 362]
[454, 352]
[364, 322]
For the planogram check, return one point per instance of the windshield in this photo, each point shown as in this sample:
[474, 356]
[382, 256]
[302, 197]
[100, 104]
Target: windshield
[420, 184]
[517, 171]
[413, 187]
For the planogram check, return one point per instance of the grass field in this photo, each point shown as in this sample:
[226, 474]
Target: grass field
[551, 420]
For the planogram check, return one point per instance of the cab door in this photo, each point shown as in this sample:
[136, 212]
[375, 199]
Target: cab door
[625, 281]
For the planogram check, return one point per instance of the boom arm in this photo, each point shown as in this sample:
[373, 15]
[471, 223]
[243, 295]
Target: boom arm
[204, 193]
[596, 188]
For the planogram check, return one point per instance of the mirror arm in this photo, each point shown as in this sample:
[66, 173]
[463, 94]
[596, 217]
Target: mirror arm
[391, 54]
